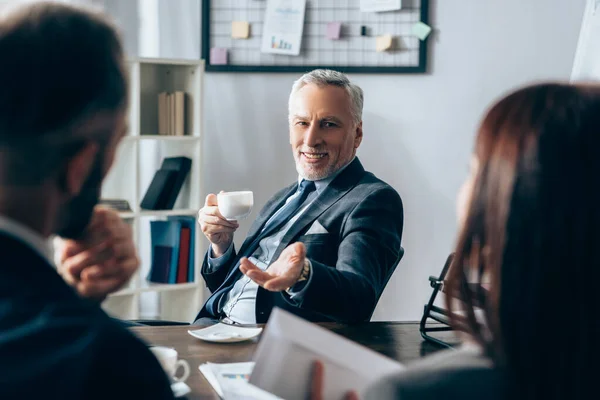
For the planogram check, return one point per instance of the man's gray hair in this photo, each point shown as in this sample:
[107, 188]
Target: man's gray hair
[326, 77]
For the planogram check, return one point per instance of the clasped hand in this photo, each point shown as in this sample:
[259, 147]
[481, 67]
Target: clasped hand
[102, 260]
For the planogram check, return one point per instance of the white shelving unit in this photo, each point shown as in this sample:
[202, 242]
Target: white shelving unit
[139, 157]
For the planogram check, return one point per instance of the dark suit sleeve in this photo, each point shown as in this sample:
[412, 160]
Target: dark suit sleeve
[215, 278]
[66, 351]
[126, 369]
[368, 253]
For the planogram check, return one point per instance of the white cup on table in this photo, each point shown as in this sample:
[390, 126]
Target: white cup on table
[167, 357]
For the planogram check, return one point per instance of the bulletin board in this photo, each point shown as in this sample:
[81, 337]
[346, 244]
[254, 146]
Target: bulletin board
[352, 53]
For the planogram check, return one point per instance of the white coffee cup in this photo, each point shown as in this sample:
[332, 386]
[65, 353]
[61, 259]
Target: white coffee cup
[168, 360]
[235, 205]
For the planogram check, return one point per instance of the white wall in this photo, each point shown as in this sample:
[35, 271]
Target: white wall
[418, 128]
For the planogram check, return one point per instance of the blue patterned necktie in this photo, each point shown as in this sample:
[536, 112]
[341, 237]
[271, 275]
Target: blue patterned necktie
[284, 214]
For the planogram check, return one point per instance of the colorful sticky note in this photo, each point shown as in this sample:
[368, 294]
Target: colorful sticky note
[383, 43]
[218, 56]
[240, 30]
[421, 30]
[334, 30]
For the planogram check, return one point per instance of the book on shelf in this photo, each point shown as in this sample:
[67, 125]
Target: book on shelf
[166, 184]
[162, 113]
[171, 113]
[116, 204]
[187, 242]
[172, 250]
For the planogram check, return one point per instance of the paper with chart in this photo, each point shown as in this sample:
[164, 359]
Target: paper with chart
[380, 5]
[348, 365]
[283, 27]
[230, 381]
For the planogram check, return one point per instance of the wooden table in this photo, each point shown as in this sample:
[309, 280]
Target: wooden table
[397, 340]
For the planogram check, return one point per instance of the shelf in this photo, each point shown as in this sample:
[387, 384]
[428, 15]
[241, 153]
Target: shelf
[154, 287]
[163, 138]
[166, 287]
[168, 138]
[167, 213]
[123, 292]
[157, 213]
[167, 61]
[140, 155]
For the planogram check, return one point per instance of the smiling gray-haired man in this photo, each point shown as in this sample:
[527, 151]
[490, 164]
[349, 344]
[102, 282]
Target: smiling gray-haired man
[322, 248]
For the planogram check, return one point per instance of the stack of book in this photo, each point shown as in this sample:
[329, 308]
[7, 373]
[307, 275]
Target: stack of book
[171, 113]
[172, 243]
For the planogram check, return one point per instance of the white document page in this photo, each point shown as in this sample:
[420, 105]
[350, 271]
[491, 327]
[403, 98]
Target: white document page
[230, 381]
[290, 345]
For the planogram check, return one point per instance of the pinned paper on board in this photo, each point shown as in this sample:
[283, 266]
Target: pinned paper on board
[240, 30]
[283, 27]
[383, 43]
[218, 56]
[334, 30]
[380, 5]
[421, 30]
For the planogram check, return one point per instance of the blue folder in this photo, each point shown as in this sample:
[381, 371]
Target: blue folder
[164, 234]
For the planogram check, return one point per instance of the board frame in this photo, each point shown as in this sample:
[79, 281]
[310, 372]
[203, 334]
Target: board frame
[417, 69]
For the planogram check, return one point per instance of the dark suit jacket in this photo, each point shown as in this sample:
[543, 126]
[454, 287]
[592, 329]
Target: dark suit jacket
[351, 263]
[55, 345]
[462, 374]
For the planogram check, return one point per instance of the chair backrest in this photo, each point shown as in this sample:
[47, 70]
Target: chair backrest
[391, 271]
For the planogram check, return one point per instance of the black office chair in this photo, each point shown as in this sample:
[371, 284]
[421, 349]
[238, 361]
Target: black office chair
[438, 314]
[442, 316]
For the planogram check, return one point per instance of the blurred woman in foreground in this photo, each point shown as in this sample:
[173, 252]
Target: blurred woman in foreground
[530, 226]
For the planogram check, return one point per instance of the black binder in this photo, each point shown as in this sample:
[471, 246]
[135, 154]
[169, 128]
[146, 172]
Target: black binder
[166, 184]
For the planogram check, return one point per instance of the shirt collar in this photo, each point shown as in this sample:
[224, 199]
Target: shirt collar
[323, 183]
[28, 236]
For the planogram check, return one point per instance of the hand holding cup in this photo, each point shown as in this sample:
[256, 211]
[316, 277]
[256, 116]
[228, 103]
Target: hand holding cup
[218, 218]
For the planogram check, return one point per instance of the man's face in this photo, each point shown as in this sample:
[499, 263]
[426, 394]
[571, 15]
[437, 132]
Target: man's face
[77, 212]
[323, 134]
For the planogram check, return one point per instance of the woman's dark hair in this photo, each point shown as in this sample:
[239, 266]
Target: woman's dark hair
[532, 233]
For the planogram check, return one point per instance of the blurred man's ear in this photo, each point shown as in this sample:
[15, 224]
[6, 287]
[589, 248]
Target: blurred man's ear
[78, 168]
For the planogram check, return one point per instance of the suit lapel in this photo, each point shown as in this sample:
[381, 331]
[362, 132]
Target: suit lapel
[337, 189]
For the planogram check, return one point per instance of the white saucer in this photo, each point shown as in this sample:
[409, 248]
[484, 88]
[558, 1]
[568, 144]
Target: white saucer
[180, 389]
[224, 333]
